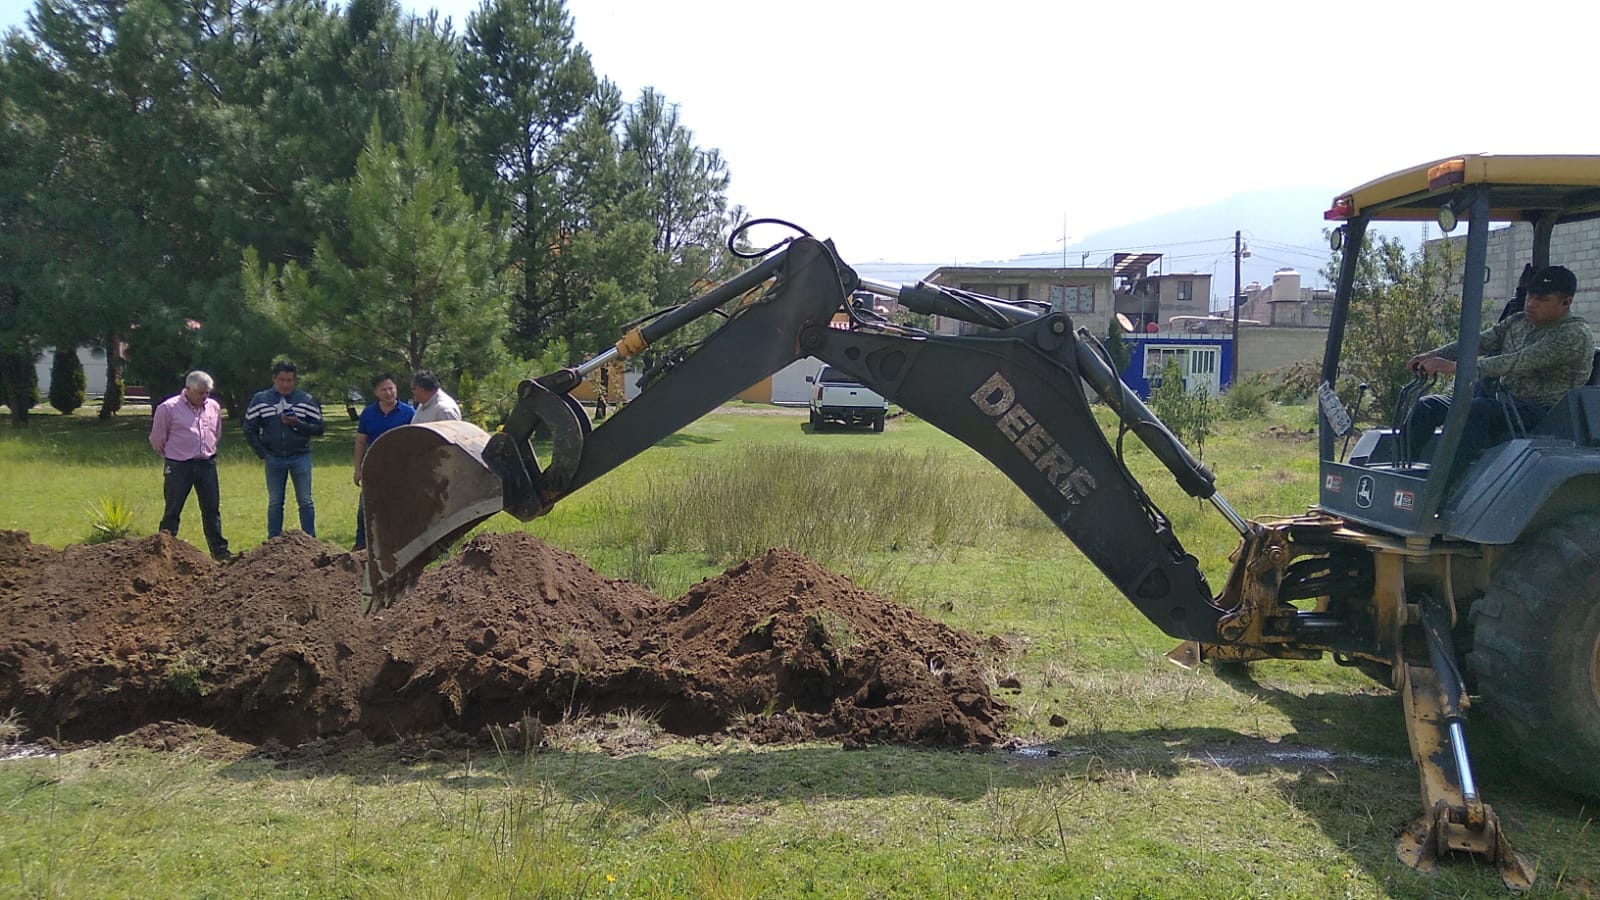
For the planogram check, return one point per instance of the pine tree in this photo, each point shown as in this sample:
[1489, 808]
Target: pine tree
[530, 86]
[683, 189]
[66, 381]
[416, 283]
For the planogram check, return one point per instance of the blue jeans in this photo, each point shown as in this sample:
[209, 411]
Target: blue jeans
[297, 467]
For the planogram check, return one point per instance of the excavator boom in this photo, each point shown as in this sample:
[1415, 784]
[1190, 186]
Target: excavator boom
[1013, 393]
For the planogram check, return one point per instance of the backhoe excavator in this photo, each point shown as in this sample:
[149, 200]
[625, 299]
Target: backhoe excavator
[1485, 579]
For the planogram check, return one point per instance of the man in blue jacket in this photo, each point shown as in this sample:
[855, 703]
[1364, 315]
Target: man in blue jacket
[279, 425]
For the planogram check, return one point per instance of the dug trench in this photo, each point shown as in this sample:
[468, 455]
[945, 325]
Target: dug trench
[103, 640]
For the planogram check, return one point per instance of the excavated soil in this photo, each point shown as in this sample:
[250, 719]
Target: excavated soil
[107, 640]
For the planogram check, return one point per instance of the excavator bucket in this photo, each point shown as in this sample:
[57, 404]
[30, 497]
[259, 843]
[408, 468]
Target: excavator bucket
[425, 486]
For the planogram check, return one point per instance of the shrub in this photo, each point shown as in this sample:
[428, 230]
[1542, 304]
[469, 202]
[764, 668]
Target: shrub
[19, 384]
[186, 675]
[1187, 414]
[487, 401]
[1116, 347]
[1298, 383]
[1247, 397]
[67, 382]
[1293, 383]
[110, 518]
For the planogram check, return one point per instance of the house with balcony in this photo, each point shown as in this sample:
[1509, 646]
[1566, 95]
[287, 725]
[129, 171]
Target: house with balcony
[1084, 294]
[1150, 301]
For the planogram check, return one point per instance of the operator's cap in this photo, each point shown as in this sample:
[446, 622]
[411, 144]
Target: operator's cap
[1553, 280]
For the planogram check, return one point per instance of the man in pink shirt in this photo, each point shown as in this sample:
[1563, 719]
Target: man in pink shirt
[185, 430]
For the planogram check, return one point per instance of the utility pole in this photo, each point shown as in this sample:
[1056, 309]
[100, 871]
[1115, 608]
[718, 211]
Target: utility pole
[1233, 373]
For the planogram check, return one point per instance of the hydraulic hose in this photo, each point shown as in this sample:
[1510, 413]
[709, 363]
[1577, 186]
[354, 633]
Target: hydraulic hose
[1195, 479]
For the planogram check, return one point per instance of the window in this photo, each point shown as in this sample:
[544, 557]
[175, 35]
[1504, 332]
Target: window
[1186, 290]
[1196, 365]
[1072, 298]
[1156, 360]
[830, 375]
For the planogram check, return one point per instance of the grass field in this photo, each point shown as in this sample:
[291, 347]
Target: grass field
[1131, 778]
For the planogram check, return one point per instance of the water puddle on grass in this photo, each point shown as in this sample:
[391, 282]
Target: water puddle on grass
[11, 752]
[1229, 757]
[1243, 758]
[1045, 751]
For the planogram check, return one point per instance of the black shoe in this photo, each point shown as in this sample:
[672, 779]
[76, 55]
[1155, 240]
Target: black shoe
[358, 548]
[225, 556]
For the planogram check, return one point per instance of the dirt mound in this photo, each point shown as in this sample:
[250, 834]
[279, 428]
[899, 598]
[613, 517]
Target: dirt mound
[509, 627]
[102, 640]
[276, 645]
[18, 554]
[781, 641]
[88, 633]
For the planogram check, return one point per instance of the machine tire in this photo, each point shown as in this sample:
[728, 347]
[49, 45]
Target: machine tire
[814, 420]
[1536, 652]
[877, 423]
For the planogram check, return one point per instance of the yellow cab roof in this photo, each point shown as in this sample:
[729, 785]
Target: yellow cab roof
[1520, 187]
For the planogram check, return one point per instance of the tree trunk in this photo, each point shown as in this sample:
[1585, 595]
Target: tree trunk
[112, 401]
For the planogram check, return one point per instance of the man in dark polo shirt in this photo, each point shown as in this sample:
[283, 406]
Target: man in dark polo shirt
[382, 414]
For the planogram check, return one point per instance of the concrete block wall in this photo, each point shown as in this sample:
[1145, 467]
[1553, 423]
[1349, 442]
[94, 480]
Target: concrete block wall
[1576, 246]
[1263, 349]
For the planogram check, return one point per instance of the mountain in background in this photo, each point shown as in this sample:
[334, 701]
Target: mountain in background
[1282, 228]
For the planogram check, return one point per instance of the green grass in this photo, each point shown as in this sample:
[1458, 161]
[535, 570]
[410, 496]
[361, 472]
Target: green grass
[1164, 785]
[60, 467]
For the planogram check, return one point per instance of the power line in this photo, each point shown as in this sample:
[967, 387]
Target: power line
[1280, 245]
[1123, 248]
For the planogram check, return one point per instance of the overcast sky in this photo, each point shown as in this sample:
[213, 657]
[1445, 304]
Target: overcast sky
[955, 132]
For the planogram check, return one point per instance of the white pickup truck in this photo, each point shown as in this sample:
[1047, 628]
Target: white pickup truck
[840, 398]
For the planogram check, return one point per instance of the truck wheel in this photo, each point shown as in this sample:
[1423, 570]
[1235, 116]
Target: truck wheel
[814, 420]
[877, 423]
[1536, 652]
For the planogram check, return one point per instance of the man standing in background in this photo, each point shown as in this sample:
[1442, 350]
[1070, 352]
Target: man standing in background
[433, 404]
[279, 425]
[185, 430]
[380, 415]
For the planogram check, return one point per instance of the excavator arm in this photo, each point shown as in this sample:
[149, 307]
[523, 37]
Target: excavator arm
[1014, 393]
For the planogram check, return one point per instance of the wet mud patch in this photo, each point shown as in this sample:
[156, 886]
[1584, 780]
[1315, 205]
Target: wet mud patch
[1244, 756]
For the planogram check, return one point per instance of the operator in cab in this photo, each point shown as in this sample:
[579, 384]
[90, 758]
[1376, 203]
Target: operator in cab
[1537, 354]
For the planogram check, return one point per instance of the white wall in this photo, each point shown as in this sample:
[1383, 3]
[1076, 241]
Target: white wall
[94, 370]
[789, 383]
